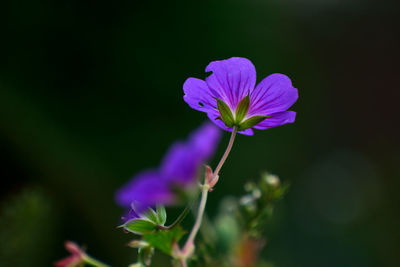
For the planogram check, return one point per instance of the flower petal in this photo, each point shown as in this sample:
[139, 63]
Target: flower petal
[180, 164]
[231, 79]
[205, 141]
[273, 94]
[277, 119]
[147, 188]
[129, 215]
[213, 116]
[183, 160]
[198, 95]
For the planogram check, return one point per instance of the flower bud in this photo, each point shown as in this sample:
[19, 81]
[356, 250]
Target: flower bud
[272, 180]
[138, 244]
[75, 259]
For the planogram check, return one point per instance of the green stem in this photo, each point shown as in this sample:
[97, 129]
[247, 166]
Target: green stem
[183, 262]
[89, 260]
[178, 220]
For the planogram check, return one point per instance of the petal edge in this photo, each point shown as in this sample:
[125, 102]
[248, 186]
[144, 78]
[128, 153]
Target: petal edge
[231, 79]
[273, 94]
[198, 95]
[277, 119]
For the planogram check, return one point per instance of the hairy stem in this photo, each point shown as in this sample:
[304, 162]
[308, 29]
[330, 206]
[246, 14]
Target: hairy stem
[183, 263]
[225, 156]
[89, 260]
[188, 248]
[197, 224]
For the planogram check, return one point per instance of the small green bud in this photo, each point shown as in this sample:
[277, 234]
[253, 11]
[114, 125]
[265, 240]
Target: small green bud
[256, 193]
[138, 244]
[246, 200]
[249, 186]
[272, 180]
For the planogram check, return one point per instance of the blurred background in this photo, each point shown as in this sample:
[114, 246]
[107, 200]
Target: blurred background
[91, 93]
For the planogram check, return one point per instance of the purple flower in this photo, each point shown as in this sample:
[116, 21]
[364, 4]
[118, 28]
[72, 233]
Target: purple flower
[146, 189]
[178, 169]
[230, 98]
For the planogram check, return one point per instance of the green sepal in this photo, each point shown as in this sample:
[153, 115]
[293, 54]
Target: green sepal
[251, 122]
[163, 239]
[140, 226]
[145, 254]
[161, 214]
[151, 215]
[226, 113]
[242, 109]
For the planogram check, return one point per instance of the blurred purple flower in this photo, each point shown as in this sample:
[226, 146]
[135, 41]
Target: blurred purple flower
[231, 81]
[178, 169]
[147, 188]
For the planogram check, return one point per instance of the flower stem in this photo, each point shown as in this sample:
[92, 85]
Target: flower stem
[189, 242]
[188, 248]
[225, 156]
[89, 260]
[183, 262]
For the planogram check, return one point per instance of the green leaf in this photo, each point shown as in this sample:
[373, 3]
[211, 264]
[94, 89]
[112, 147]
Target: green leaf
[251, 122]
[242, 109]
[163, 239]
[226, 113]
[162, 214]
[140, 226]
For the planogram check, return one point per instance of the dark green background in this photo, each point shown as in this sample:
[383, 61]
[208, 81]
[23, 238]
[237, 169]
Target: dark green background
[91, 93]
